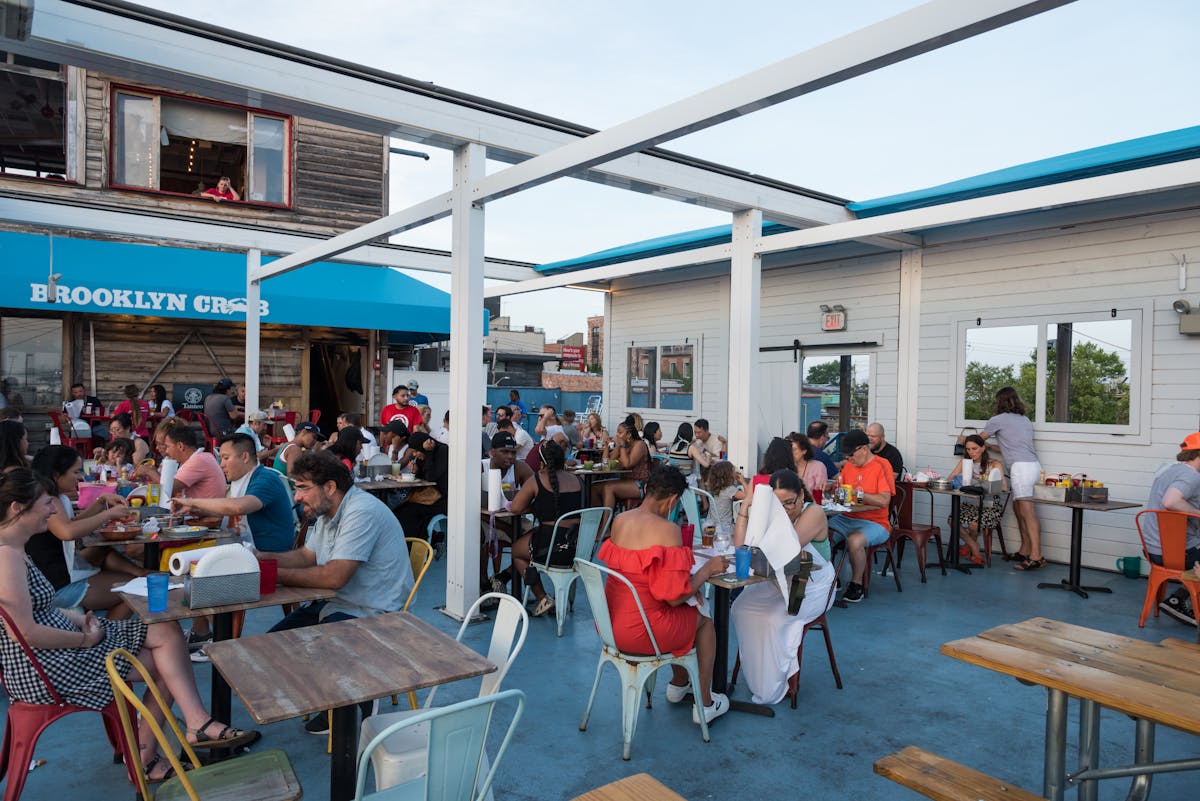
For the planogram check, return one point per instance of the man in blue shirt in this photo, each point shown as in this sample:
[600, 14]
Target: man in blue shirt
[818, 436]
[415, 398]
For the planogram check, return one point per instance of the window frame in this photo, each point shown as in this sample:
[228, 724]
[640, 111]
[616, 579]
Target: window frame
[74, 120]
[658, 343]
[156, 95]
[1141, 317]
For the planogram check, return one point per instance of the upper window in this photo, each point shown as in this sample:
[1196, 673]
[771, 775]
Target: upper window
[1075, 372]
[187, 146]
[661, 377]
[33, 118]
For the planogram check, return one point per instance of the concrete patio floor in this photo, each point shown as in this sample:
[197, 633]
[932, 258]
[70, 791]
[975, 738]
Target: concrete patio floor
[899, 690]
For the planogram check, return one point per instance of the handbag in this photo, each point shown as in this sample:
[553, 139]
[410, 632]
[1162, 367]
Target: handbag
[962, 440]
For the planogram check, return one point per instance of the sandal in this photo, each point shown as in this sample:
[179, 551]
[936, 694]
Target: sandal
[544, 606]
[228, 737]
[1016, 557]
[169, 773]
[1030, 564]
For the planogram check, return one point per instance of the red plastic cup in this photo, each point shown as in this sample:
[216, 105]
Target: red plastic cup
[688, 531]
[268, 576]
[817, 495]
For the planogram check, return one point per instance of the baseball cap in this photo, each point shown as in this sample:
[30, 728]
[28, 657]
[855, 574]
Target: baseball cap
[502, 440]
[223, 385]
[1191, 442]
[306, 426]
[853, 440]
[256, 415]
[396, 427]
[412, 384]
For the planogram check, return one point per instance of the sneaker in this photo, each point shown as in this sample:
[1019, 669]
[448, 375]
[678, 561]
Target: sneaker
[318, 723]
[199, 656]
[718, 707]
[677, 694]
[496, 585]
[196, 641]
[854, 593]
[544, 606]
[1178, 608]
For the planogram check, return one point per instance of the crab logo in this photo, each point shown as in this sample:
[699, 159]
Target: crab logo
[237, 306]
[193, 396]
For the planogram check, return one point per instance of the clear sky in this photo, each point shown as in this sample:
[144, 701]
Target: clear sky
[1091, 73]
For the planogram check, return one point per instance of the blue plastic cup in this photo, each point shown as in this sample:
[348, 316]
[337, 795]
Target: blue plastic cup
[741, 562]
[156, 591]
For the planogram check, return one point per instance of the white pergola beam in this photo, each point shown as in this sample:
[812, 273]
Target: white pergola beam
[144, 224]
[920, 30]
[745, 296]
[1084, 190]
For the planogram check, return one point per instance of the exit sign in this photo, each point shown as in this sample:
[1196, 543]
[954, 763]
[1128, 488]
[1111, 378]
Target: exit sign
[833, 321]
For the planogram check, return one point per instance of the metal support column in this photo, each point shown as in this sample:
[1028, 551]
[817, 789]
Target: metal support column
[908, 350]
[1089, 746]
[253, 342]
[1054, 775]
[745, 294]
[466, 389]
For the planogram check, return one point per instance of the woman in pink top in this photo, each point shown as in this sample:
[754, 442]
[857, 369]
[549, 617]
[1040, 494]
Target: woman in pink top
[137, 408]
[811, 470]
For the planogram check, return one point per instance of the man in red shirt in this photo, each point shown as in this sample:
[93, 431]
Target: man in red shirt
[867, 528]
[400, 409]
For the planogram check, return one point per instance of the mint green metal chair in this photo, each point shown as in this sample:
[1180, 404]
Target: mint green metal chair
[689, 505]
[637, 670]
[455, 758]
[593, 525]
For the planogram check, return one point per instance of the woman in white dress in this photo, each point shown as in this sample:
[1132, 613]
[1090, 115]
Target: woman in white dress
[768, 637]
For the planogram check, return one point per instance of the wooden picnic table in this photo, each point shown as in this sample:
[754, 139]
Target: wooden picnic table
[1073, 581]
[222, 623]
[152, 545]
[387, 484]
[1155, 683]
[285, 674]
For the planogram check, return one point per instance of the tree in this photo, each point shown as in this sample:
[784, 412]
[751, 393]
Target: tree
[983, 381]
[825, 373]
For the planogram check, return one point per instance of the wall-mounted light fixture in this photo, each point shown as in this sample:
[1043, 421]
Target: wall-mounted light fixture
[1189, 323]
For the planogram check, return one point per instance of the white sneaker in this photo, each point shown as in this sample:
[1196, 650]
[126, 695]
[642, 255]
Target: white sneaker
[199, 656]
[677, 694]
[718, 707]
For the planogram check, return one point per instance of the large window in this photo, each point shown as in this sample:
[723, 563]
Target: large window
[31, 360]
[34, 115]
[821, 391]
[661, 377]
[185, 146]
[1074, 372]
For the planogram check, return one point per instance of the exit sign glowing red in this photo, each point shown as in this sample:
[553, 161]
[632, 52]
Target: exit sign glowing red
[833, 321]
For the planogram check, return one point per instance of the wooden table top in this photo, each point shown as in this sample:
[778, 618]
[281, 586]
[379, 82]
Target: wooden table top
[1107, 506]
[285, 674]
[392, 484]
[601, 471]
[1156, 681]
[163, 538]
[177, 611]
[852, 507]
[639, 787]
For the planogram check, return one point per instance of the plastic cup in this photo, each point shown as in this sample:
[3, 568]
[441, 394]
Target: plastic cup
[396, 469]
[268, 576]
[741, 562]
[817, 495]
[156, 591]
[688, 532]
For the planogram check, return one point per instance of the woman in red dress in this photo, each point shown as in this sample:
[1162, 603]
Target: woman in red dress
[647, 549]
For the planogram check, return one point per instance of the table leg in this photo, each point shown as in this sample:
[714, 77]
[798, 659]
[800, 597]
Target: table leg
[720, 680]
[1143, 754]
[221, 706]
[1089, 746]
[952, 560]
[344, 755]
[1054, 775]
[150, 556]
[1072, 582]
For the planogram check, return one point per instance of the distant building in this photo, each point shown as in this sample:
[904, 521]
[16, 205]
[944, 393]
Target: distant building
[595, 343]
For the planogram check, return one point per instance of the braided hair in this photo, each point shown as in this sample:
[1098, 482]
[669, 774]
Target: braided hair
[553, 459]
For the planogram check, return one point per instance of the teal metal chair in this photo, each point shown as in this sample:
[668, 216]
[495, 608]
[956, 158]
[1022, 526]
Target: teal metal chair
[455, 758]
[593, 525]
[402, 758]
[437, 525]
[689, 505]
[637, 670]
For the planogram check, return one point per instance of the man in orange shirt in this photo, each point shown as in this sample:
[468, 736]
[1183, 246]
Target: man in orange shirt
[868, 528]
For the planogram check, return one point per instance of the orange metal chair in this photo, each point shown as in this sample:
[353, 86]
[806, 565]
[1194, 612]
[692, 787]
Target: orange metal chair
[1172, 536]
[25, 722]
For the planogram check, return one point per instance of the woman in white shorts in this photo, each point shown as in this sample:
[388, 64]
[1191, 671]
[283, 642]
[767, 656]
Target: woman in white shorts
[1014, 435]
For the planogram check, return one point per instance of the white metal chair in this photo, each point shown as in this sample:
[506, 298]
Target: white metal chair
[454, 758]
[403, 756]
[593, 523]
[637, 670]
[379, 459]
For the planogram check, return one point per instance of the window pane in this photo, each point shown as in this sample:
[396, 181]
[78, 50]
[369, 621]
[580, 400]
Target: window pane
[33, 125]
[1088, 369]
[136, 146]
[200, 143]
[821, 392]
[676, 365]
[268, 180]
[640, 387]
[31, 362]
[1004, 356]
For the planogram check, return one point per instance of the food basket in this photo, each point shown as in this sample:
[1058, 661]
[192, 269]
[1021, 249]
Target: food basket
[120, 533]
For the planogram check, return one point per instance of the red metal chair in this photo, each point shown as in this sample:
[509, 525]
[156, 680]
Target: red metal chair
[185, 415]
[888, 546]
[314, 416]
[211, 437]
[25, 723]
[919, 533]
[820, 623]
[66, 432]
[1172, 536]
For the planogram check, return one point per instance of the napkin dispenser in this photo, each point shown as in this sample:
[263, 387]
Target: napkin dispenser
[226, 574]
[759, 565]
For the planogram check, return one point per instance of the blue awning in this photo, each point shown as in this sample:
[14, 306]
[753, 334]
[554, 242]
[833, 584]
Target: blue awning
[158, 281]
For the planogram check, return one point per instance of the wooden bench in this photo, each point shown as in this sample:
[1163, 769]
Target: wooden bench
[640, 787]
[943, 780]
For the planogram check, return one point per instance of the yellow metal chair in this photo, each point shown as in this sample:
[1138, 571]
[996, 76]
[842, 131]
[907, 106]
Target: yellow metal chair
[266, 776]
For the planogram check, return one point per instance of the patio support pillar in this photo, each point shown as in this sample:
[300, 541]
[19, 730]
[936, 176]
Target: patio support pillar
[466, 383]
[253, 293]
[908, 355]
[745, 294]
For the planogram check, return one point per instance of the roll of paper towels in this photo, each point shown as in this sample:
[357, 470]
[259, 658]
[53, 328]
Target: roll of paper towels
[968, 471]
[495, 491]
[289, 431]
[226, 560]
[182, 561]
[55, 437]
[167, 480]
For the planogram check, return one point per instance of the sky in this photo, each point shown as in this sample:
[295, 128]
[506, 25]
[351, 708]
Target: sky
[1088, 74]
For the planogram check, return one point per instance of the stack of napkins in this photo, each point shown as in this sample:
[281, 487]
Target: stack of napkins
[770, 530]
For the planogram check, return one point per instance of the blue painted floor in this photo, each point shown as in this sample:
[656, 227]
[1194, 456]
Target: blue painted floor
[899, 690]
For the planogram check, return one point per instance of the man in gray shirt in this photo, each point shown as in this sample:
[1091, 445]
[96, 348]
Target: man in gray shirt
[1177, 487]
